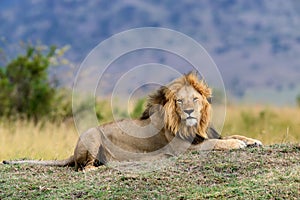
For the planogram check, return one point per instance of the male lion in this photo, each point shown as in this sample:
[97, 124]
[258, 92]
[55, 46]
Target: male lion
[176, 118]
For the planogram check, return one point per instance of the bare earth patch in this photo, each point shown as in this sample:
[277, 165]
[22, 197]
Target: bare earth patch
[253, 173]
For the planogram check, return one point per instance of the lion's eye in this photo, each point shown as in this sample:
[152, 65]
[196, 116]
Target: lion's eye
[195, 99]
[179, 101]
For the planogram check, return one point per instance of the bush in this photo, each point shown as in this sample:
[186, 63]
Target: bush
[298, 100]
[26, 91]
[138, 108]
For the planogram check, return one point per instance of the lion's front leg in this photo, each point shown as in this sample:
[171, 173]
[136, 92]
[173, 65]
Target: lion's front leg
[248, 141]
[220, 144]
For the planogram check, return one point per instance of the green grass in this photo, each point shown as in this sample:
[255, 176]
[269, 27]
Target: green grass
[271, 172]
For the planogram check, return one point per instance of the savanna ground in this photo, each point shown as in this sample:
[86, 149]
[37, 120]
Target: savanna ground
[270, 172]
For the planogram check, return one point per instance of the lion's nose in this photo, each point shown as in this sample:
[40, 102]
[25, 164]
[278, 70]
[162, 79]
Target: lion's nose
[189, 111]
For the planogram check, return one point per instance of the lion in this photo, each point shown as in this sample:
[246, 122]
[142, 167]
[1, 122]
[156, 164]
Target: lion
[176, 119]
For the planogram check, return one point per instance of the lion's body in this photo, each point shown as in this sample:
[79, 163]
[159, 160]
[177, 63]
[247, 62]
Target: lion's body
[176, 119]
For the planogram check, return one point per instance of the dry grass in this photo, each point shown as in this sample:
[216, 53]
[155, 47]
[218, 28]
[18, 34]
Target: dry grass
[272, 125]
[21, 139]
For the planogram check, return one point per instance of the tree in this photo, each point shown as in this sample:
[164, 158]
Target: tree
[25, 88]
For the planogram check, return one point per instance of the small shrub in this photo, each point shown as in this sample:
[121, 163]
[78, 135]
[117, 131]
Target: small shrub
[26, 91]
[138, 108]
[298, 100]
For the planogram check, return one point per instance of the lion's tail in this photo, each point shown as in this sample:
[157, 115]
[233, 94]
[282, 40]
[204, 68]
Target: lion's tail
[59, 163]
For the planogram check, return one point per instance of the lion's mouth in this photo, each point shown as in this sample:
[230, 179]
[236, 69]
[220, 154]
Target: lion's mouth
[191, 121]
[190, 118]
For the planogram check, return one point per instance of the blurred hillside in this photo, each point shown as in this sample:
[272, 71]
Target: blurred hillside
[255, 44]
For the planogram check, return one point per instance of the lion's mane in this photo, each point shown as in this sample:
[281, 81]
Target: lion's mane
[164, 101]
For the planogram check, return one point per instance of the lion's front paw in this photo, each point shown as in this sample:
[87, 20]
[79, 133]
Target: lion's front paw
[230, 144]
[253, 142]
[236, 144]
[248, 141]
[89, 168]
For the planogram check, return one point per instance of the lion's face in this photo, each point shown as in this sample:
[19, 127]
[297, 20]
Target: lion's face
[189, 105]
[184, 106]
